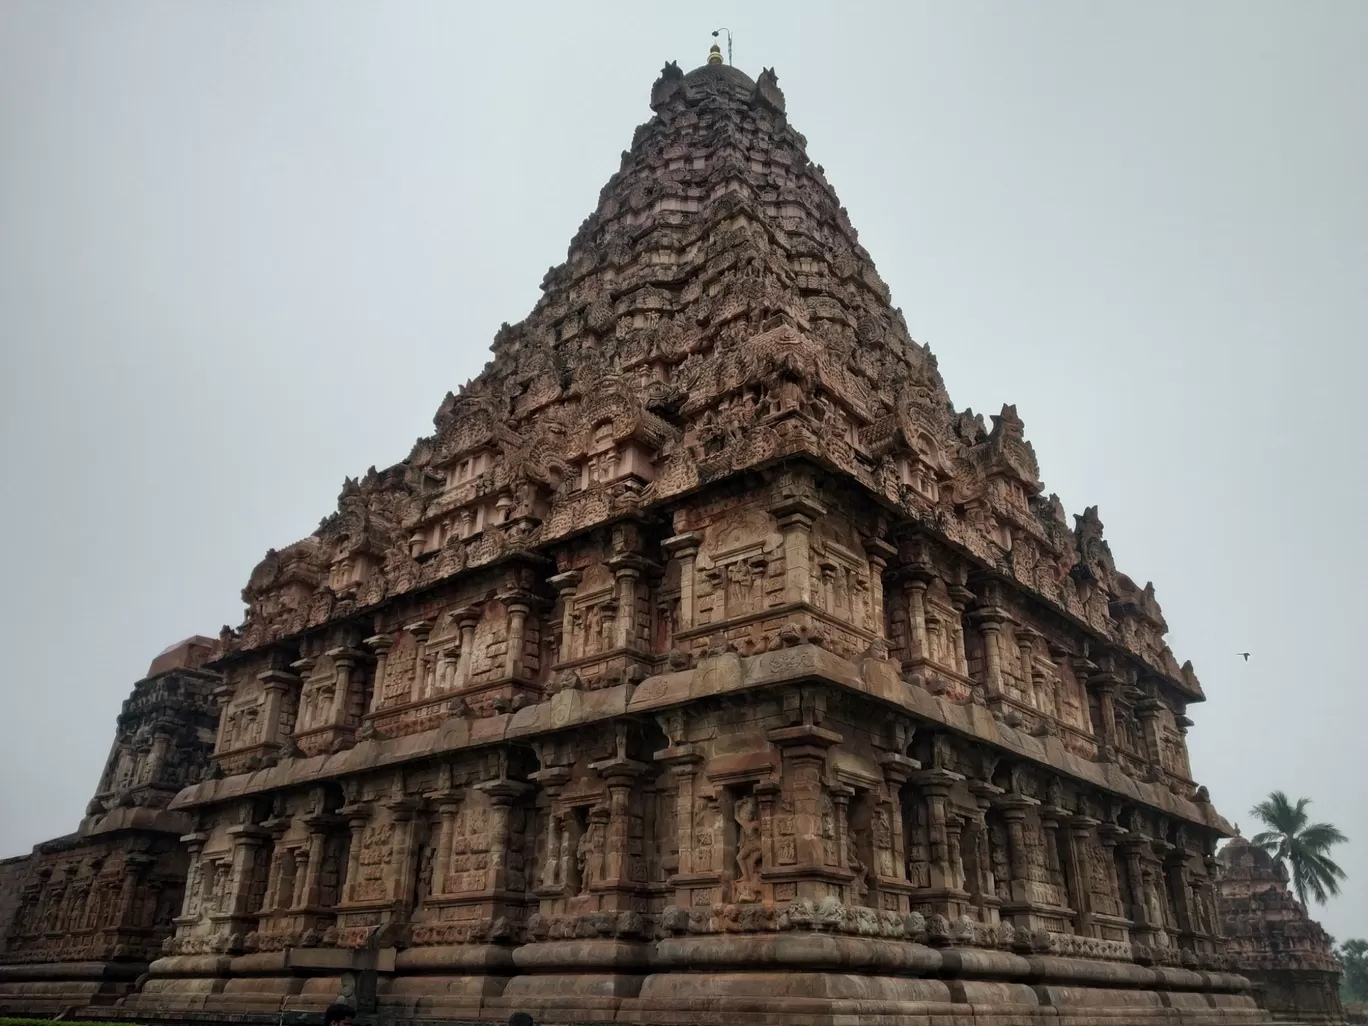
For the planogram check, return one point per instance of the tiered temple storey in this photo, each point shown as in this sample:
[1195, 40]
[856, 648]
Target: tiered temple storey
[705, 660]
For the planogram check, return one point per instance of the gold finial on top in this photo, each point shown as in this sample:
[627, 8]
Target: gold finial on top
[715, 54]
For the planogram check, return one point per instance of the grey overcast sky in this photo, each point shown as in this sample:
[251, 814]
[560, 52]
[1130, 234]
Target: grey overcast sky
[246, 247]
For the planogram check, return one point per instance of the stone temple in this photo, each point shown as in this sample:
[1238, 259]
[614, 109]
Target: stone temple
[1286, 954]
[705, 663]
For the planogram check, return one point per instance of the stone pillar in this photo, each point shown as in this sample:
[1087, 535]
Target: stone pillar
[804, 749]
[1105, 684]
[518, 609]
[156, 759]
[223, 696]
[565, 585]
[990, 625]
[684, 547]
[402, 811]
[935, 785]
[550, 877]
[954, 828]
[960, 597]
[467, 620]
[276, 684]
[684, 761]
[1176, 872]
[1182, 723]
[1014, 809]
[1025, 640]
[1049, 828]
[627, 571]
[1109, 834]
[915, 586]
[878, 552]
[312, 891]
[194, 880]
[345, 661]
[421, 631]
[896, 771]
[270, 898]
[447, 811]
[796, 514]
[380, 644]
[502, 793]
[1133, 847]
[357, 815]
[247, 841]
[767, 792]
[552, 780]
[840, 798]
[1078, 837]
[299, 894]
[135, 863]
[1148, 712]
[446, 667]
[618, 773]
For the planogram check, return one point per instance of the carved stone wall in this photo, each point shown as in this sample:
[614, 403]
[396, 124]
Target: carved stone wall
[1273, 941]
[86, 913]
[704, 661]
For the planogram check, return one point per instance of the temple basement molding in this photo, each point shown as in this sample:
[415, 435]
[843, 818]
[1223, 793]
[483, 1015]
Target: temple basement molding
[705, 662]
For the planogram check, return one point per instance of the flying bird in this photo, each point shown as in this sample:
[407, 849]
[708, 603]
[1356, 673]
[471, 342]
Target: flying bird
[1245, 654]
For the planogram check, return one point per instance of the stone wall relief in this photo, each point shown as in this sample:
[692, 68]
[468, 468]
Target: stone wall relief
[590, 852]
[469, 864]
[996, 835]
[746, 886]
[375, 862]
[707, 833]
[593, 612]
[317, 694]
[738, 568]
[245, 723]
[489, 645]
[400, 666]
[862, 851]
[842, 584]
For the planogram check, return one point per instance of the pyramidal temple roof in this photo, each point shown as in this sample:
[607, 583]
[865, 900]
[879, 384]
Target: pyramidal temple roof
[715, 315]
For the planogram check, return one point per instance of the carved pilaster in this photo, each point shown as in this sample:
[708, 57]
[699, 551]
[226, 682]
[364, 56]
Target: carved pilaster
[796, 514]
[277, 684]
[467, 620]
[421, 631]
[565, 584]
[684, 547]
[380, 644]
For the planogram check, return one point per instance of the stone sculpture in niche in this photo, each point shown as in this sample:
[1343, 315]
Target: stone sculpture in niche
[749, 852]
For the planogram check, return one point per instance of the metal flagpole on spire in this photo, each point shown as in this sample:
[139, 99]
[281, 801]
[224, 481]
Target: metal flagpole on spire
[729, 41]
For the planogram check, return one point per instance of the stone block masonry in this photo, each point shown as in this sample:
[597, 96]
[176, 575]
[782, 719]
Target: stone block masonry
[705, 663]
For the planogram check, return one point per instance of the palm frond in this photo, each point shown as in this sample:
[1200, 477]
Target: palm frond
[1320, 836]
[1324, 867]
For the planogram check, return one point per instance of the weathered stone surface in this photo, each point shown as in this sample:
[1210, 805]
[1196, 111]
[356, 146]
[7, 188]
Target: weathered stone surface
[1273, 941]
[704, 662]
[90, 911]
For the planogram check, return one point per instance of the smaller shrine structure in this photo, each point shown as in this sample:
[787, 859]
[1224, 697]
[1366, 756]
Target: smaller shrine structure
[83, 915]
[1273, 941]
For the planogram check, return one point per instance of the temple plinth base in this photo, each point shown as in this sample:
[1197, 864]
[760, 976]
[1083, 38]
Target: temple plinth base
[49, 987]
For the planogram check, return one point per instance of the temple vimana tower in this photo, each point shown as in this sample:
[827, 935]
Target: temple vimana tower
[704, 664]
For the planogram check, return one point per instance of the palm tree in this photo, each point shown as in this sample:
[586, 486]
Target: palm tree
[1303, 848]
